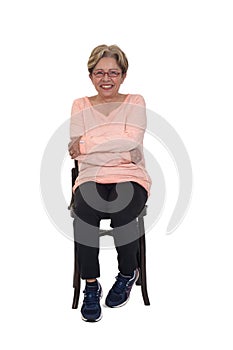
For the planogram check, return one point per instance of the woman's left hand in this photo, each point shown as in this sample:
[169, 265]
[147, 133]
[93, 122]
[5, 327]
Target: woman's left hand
[136, 156]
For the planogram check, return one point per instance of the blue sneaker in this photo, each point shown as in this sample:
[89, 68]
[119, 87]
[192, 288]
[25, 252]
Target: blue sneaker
[120, 291]
[91, 310]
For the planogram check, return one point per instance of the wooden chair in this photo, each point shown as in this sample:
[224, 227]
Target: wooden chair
[142, 250]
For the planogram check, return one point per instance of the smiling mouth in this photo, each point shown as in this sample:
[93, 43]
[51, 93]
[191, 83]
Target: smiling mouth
[106, 86]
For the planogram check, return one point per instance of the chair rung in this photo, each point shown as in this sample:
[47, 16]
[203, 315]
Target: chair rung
[105, 232]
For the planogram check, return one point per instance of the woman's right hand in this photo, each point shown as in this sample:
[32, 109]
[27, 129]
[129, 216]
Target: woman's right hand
[73, 147]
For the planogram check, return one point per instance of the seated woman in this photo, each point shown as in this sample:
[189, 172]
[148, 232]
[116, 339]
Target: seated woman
[107, 133]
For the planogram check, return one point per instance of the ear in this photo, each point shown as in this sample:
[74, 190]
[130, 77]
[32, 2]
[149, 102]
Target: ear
[123, 78]
[90, 76]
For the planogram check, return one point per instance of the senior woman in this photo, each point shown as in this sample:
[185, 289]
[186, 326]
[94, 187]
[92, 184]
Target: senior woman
[107, 133]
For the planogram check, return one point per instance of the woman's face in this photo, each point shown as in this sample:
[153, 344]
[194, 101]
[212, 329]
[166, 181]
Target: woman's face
[107, 85]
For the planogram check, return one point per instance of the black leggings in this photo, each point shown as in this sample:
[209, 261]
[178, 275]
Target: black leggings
[121, 203]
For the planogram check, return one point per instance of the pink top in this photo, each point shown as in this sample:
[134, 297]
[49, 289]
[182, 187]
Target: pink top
[107, 137]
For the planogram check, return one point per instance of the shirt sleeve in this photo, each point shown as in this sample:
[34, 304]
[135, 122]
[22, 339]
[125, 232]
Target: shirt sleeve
[77, 128]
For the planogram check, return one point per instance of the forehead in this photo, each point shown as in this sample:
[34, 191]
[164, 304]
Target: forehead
[107, 63]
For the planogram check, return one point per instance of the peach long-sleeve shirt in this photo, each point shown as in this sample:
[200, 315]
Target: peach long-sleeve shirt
[107, 139]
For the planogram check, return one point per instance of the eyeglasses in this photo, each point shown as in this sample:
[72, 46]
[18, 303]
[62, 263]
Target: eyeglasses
[112, 73]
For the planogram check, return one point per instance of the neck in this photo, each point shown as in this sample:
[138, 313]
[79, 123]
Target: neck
[110, 99]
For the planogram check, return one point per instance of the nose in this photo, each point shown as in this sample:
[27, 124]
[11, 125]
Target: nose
[106, 76]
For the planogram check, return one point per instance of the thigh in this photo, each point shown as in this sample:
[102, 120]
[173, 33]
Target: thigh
[130, 205]
[90, 202]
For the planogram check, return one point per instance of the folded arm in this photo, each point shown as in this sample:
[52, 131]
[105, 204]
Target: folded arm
[109, 143]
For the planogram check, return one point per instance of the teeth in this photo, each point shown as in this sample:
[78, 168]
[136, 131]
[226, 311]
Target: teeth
[106, 86]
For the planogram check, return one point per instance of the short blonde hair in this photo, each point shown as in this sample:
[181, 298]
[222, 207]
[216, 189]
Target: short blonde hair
[108, 51]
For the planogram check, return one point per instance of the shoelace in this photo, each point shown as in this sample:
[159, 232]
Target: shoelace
[120, 284]
[91, 296]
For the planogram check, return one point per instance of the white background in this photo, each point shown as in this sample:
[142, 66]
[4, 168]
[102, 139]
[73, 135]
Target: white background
[180, 55]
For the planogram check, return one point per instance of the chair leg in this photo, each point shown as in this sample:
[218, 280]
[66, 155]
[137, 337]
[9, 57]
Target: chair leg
[142, 243]
[142, 263]
[139, 280]
[75, 298]
[76, 280]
